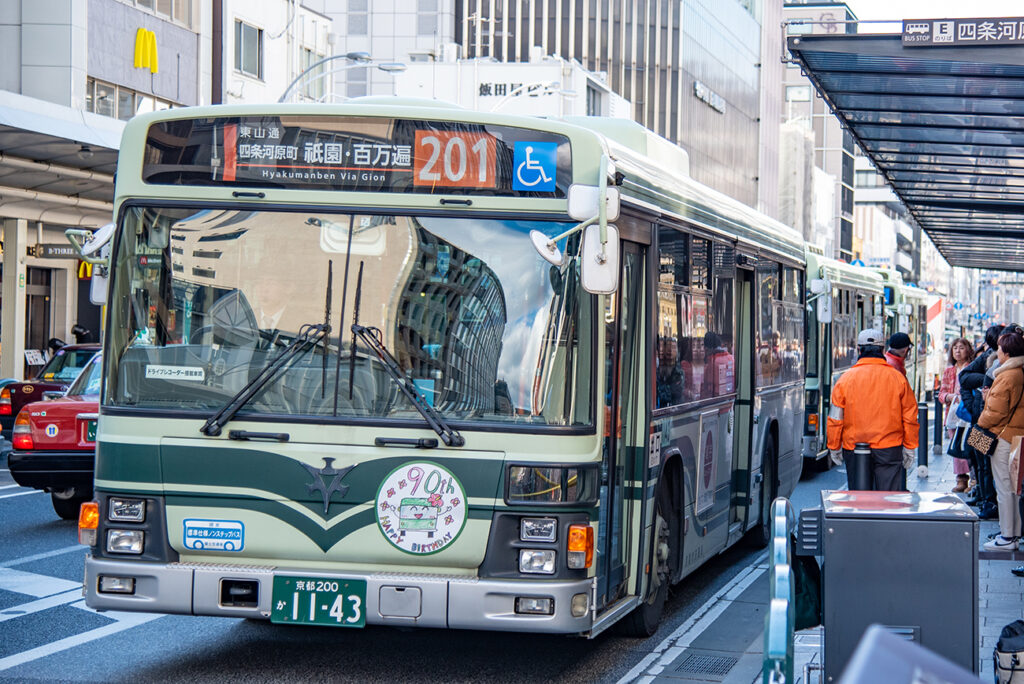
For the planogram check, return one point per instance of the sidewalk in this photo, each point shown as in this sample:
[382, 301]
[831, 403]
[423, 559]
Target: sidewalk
[724, 640]
[1001, 594]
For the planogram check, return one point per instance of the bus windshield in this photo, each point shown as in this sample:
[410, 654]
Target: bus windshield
[204, 299]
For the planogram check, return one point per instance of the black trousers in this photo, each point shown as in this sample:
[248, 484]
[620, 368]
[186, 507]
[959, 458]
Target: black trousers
[982, 465]
[883, 471]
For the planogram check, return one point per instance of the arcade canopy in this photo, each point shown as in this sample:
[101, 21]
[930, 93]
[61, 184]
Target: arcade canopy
[943, 124]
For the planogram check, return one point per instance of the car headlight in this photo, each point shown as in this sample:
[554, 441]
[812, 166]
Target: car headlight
[537, 561]
[538, 529]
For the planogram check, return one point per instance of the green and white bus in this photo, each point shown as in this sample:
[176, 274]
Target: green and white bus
[396, 363]
[845, 299]
[906, 310]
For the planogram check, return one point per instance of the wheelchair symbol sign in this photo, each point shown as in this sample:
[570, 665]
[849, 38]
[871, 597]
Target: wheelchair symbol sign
[534, 164]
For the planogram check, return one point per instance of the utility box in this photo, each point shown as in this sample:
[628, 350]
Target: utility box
[907, 561]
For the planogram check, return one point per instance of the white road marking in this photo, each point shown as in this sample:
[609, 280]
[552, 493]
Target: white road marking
[40, 556]
[31, 491]
[30, 583]
[42, 604]
[670, 648]
[10, 486]
[123, 621]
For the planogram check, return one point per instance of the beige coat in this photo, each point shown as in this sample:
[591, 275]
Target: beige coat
[1005, 393]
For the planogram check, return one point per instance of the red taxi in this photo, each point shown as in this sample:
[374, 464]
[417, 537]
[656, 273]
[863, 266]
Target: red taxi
[62, 368]
[55, 443]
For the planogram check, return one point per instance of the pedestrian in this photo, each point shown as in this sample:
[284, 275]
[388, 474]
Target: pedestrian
[873, 403]
[899, 349]
[960, 354]
[1003, 415]
[972, 379]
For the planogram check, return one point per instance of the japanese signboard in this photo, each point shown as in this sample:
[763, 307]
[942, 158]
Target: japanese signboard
[947, 32]
[367, 154]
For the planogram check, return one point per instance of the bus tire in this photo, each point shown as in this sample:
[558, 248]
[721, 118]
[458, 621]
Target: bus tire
[643, 621]
[762, 533]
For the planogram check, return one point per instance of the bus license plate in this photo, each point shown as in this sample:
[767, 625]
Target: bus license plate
[90, 431]
[319, 601]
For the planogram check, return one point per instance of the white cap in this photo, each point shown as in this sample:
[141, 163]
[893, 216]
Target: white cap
[870, 337]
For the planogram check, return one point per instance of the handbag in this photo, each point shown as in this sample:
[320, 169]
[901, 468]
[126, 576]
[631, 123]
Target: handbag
[963, 413]
[983, 441]
[1008, 655]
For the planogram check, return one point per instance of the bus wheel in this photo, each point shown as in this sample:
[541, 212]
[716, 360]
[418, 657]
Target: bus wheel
[762, 534]
[643, 621]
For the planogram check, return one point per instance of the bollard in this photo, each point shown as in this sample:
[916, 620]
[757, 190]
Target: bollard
[939, 426]
[922, 445]
[858, 468]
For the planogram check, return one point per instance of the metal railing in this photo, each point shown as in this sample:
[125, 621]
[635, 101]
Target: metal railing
[779, 623]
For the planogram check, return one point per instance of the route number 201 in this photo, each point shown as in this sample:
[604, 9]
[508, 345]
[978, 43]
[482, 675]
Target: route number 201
[454, 159]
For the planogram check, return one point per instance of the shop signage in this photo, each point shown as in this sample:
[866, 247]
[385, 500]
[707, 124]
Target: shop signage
[56, 251]
[945, 32]
[145, 51]
[84, 270]
[709, 97]
[34, 357]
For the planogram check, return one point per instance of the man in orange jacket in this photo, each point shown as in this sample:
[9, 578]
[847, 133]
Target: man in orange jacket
[873, 403]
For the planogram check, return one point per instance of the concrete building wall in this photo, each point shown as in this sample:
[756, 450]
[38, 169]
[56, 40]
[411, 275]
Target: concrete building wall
[53, 50]
[112, 28]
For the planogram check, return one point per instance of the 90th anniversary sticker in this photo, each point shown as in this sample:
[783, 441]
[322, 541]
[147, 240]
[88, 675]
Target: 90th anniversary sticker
[421, 507]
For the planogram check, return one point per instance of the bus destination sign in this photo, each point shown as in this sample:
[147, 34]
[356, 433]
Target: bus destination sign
[367, 154]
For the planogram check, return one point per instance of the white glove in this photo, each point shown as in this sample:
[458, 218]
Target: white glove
[909, 456]
[836, 455]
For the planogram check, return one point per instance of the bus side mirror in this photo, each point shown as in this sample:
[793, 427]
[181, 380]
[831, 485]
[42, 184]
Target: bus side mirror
[599, 264]
[98, 281]
[822, 289]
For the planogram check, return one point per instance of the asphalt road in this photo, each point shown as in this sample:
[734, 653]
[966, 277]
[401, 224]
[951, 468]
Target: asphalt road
[47, 633]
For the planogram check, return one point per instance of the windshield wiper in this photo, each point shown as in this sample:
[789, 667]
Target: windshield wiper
[309, 336]
[372, 337]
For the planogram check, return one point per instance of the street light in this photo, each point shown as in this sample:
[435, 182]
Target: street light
[359, 59]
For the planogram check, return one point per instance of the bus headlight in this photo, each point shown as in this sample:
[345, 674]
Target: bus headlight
[537, 561]
[546, 485]
[124, 541]
[126, 510]
[538, 529]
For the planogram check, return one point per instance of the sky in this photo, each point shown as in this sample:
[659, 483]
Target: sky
[933, 9]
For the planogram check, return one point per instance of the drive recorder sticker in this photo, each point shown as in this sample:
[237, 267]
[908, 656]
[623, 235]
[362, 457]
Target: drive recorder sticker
[214, 535]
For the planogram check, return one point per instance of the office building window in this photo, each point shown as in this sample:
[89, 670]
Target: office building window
[593, 101]
[248, 49]
[358, 18]
[313, 82]
[120, 102]
[356, 82]
[426, 17]
[178, 11]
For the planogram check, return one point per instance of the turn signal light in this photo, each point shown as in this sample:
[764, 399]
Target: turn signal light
[812, 420]
[88, 522]
[21, 436]
[580, 546]
[5, 402]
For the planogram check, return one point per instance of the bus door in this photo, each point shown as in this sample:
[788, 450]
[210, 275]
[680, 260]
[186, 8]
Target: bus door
[743, 421]
[626, 424]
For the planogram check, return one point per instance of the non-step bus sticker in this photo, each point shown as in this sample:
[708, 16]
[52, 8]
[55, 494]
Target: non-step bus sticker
[214, 535]
[421, 507]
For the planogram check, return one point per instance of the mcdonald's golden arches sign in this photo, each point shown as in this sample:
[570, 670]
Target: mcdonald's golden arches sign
[145, 50]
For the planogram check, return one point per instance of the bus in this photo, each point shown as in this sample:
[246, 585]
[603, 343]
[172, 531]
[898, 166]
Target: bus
[906, 310]
[844, 300]
[397, 363]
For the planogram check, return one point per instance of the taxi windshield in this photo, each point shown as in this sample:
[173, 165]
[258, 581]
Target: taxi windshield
[203, 300]
[89, 379]
[65, 365]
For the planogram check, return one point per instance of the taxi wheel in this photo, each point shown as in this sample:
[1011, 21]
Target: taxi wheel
[67, 508]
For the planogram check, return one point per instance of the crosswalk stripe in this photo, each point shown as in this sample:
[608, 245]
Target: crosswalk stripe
[12, 486]
[32, 584]
[31, 491]
[123, 621]
[12, 612]
[40, 556]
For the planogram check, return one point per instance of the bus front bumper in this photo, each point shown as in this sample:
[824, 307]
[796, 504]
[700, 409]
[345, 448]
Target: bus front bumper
[443, 601]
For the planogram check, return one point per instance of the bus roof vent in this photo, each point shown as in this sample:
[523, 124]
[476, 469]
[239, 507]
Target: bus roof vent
[393, 101]
[632, 135]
